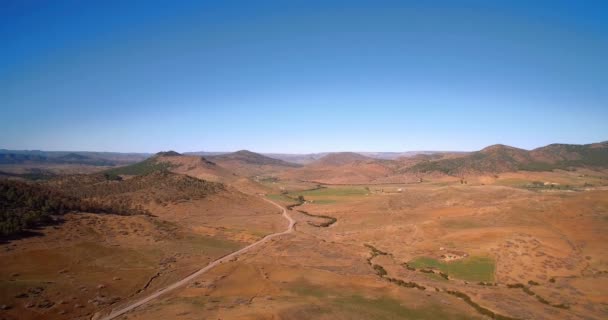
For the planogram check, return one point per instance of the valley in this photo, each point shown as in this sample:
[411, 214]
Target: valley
[303, 160]
[244, 237]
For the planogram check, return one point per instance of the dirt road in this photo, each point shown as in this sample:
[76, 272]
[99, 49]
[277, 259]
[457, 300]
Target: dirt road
[116, 313]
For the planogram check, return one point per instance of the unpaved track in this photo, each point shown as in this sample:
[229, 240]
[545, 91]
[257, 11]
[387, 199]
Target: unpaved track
[116, 313]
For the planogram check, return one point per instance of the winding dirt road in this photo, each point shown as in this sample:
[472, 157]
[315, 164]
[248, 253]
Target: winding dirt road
[116, 313]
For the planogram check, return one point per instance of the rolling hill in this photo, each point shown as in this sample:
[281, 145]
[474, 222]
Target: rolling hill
[340, 158]
[501, 158]
[161, 186]
[69, 157]
[248, 157]
[342, 168]
[195, 166]
[247, 163]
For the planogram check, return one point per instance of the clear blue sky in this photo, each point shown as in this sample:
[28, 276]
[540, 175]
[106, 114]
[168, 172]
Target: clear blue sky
[301, 76]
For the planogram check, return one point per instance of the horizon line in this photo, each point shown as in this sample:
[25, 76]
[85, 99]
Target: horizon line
[302, 153]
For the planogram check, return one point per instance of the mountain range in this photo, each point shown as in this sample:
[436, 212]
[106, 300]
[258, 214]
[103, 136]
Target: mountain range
[347, 166]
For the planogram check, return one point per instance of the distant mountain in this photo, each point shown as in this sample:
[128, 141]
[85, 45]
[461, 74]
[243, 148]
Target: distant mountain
[73, 157]
[339, 166]
[405, 154]
[500, 158]
[69, 157]
[16, 158]
[204, 153]
[170, 153]
[311, 157]
[297, 158]
[342, 168]
[306, 158]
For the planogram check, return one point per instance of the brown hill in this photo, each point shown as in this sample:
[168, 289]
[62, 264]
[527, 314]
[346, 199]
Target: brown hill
[195, 166]
[198, 167]
[340, 158]
[159, 187]
[342, 168]
[247, 163]
[69, 158]
[248, 157]
[589, 154]
[501, 158]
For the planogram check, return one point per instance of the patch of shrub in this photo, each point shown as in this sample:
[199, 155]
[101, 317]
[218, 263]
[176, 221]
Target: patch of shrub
[480, 309]
[408, 267]
[379, 270]
[408, 284]
[528, 291]
[331, 220]
[375, 251]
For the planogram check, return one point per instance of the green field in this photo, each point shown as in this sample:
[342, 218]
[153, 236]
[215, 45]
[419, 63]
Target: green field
[323, 201]
[334, 192]
[471, 268]
[280, 197]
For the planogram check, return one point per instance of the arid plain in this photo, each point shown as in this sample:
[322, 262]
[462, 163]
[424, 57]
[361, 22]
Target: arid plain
[502, 233]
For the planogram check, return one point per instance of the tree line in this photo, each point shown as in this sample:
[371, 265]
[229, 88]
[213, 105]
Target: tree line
[25, 205]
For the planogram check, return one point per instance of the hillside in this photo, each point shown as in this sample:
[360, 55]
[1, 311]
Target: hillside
[301, 159]
[230, 174]
[252, 158]
[158, 187]
[501, 158]
[140, 168]
[194, 166]
[342, 168]
[25, 205]
[69, 157]
[340, 158]
[569, 155]
[248, 164]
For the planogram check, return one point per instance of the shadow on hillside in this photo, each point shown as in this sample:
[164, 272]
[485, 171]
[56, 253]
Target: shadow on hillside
[32, 232]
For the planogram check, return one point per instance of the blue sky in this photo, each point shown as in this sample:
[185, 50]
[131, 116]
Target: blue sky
[301, 76]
